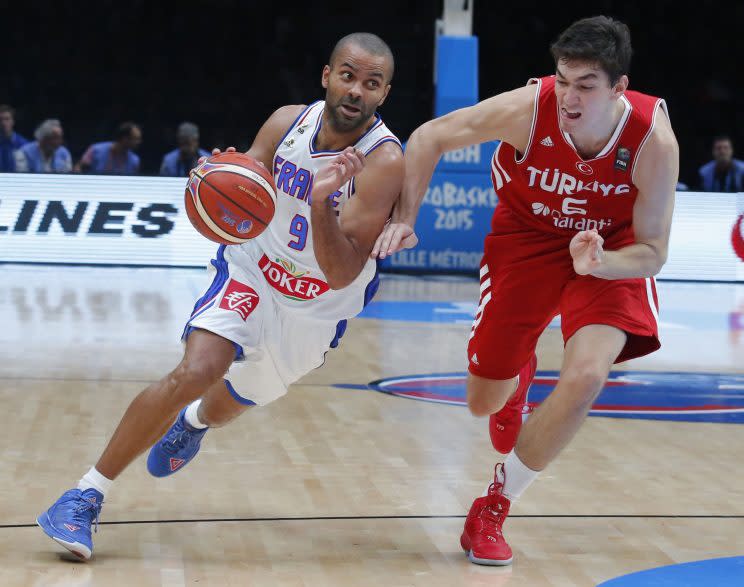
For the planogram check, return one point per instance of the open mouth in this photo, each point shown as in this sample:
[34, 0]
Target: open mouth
[350, 110]
[570, 115]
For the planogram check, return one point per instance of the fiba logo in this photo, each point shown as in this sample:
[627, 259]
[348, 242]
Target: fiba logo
[737, 237]
[585, 168]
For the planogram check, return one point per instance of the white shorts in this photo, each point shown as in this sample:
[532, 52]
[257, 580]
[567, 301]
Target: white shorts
[273, 346]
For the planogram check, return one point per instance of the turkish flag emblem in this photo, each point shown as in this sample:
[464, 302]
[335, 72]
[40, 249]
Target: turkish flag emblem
[240, 298]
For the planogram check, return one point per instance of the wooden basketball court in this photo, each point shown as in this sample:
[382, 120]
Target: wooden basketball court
[335, 486]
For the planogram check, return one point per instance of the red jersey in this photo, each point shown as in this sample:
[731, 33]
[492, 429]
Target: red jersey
[552, 189]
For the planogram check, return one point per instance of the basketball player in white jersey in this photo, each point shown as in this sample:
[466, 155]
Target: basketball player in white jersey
[278, 303]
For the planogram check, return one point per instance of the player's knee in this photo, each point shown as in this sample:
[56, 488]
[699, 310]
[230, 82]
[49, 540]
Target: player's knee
[485, 399]
[481, 406]
[585, 381]
[192, 377]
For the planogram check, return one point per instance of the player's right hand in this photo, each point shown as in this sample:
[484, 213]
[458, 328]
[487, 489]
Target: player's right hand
[337, 172]
[587, 252]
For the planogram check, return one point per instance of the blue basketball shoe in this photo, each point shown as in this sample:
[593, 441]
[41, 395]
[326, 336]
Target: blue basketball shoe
[177, 447]
[68, 521]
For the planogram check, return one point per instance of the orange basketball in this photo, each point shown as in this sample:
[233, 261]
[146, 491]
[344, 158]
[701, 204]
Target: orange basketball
[230, 198]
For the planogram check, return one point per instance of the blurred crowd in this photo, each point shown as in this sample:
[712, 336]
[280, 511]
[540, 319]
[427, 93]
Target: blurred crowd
[47, 153]
[724, 173]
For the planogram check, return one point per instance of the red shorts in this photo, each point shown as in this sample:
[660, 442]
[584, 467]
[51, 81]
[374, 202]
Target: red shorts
[527, 279]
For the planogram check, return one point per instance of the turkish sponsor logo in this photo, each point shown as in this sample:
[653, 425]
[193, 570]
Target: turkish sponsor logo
[563, 218]
[585, 168]
[86, 218]
[540, 208]
[561, 183]
[621, 159]
[239, 298]
[284, 277]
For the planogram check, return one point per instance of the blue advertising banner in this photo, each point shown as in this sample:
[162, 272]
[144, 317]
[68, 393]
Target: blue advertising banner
[472, 159]
[455, 217]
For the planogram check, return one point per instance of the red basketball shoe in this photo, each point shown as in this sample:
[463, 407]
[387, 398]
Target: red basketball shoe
[482, 537]
[504, 425]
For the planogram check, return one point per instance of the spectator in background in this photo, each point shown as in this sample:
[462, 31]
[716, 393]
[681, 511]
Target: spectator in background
[115, 157]
[46, 154]
[10, 141]
[724, 173]
[178, 162]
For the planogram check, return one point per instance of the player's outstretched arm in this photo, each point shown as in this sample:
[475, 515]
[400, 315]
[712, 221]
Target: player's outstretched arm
[655, 176]
[506, 117]
[342, 248]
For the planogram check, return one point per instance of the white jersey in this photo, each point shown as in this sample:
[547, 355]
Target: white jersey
[284, 251]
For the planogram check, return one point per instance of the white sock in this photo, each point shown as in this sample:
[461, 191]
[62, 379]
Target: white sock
[518, 476]
[191, 417]
[94, 480]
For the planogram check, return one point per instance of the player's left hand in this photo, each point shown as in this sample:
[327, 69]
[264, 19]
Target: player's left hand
[216, 151]
[587, 252]
[395, 237]
[341, 169]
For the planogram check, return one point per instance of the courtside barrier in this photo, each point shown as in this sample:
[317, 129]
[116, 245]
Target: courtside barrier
[140, 221]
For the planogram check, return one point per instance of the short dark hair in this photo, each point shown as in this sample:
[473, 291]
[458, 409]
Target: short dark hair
[125, 129]
[599, 39]
[719, 138]
[370, 42]
[187, 130]
[7, 108]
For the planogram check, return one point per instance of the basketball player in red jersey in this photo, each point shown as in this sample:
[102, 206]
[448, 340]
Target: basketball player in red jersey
[585, 175]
